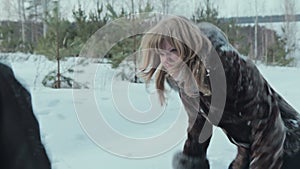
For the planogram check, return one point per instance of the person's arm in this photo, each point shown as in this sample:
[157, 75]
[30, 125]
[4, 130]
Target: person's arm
[194, 154]
[241, 160]
[268, 137]
[20, 142]
[258, 104]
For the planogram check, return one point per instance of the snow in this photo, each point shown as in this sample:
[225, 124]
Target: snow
[74, 139]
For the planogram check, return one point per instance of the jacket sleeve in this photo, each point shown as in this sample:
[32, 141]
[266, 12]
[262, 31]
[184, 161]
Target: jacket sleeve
[253, 101]
[199, 129]
[268, 137]
[195, 147]
[257, 103]
[20, 142]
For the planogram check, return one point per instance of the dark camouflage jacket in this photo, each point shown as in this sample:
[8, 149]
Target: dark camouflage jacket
[256, 118]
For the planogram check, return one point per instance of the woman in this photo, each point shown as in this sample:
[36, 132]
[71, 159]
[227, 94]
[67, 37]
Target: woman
[263, 126]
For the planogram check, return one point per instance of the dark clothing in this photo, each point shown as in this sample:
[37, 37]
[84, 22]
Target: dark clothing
[258, 120]
[20, 144]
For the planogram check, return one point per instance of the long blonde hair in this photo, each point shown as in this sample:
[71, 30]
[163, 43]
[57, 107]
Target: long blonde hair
[192, 48]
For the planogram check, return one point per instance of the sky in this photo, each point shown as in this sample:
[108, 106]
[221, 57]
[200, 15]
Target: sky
[226, 8]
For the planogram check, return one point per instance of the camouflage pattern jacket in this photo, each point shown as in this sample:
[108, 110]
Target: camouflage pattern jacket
[265, 128]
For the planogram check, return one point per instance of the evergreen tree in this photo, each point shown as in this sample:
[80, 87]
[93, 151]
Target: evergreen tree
[9, 42]
[206, 13]
[277, 53]
[128, 46]
[56, 45]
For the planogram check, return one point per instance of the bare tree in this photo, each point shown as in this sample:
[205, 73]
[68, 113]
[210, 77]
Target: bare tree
[57, 15]
[7, 9]
[289, 28]
[7, 5]
[34, 14]
[255, 32]
[10, 9]
[45, 14]
[165, 6]
[112, 2]
[22, 18]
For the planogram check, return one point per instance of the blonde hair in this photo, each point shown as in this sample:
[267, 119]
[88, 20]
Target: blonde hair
[192, 48]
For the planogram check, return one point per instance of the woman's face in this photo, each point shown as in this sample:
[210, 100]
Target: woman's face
[168, 55]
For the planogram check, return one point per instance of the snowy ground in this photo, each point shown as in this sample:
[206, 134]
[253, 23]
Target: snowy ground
[66, 136]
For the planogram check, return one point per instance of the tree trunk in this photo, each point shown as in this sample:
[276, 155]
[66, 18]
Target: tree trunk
[134, 42]
[45, 10]
[58, 58]
[57, 47]
[22, 17]
[255, 32]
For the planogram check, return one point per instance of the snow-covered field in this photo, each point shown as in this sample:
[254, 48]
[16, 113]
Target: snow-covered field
[72, 143]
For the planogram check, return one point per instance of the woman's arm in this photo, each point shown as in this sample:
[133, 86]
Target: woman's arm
[241, 160]
[268, 137]
[194, 154]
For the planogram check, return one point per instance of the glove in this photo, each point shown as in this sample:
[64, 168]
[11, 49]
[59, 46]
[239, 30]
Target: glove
[192, 157]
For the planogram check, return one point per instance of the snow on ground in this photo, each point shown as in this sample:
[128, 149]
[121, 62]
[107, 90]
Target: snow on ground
[69, 145]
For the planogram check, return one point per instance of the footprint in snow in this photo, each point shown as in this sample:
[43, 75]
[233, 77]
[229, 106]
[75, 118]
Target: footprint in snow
[53, 103]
